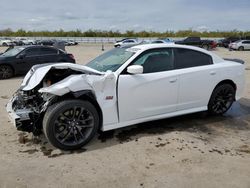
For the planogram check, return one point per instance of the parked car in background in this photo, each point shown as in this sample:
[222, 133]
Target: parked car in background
[19, 60]
[71, 43]
[126, 42]
[225, 42]
[18, 42]
[240, 45]
[70, 103]
[196, 41]
[219, 42]
[28, 41]
[165, 40]
[46, 42]
[6, 42]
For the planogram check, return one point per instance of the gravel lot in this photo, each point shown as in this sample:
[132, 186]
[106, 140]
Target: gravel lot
[187, 151]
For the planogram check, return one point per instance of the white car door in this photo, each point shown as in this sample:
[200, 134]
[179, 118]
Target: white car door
[198, 77]
[152, 93]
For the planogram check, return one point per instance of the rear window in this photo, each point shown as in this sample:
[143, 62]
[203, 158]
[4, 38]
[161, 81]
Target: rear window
[32, 52]
[185, 58]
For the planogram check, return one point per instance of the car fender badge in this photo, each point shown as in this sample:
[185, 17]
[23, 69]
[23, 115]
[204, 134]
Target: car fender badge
[109, 97]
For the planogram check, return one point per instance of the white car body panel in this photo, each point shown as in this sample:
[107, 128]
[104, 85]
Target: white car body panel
[190, 79]
[229, 70]
[143, 97]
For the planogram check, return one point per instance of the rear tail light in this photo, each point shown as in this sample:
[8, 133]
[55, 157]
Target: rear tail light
[71, 56]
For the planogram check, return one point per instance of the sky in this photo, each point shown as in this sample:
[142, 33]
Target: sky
[123, 15]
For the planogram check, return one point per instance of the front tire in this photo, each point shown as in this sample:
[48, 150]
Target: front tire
[6, 72]
[241, 48]
[70, 124]
[221, 99]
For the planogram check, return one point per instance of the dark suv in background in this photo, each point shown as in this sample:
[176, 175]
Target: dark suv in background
[19, 60]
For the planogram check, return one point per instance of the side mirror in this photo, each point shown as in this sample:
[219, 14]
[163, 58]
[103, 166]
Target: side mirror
[135, 69]
[21, 56]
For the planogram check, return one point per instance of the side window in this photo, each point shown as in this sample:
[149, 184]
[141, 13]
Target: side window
[185, 58]
[187, 39]
[157, 42]
[48, 51]
[32, 52]
[129, 41]
[192, 39]
[156, 60]
[246, 42]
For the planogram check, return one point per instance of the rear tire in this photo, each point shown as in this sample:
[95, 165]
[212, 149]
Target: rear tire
[241, 48]
[6, 72]
[70, 124]
[221, 99]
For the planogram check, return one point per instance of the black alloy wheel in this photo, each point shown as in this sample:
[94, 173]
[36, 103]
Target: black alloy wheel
[222, 99]
[5, 72]
[71, 124]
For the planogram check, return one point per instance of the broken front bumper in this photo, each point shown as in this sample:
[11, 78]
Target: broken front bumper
[20, 117]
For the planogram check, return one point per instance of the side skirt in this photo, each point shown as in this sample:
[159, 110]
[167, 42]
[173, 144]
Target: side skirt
[152, 118]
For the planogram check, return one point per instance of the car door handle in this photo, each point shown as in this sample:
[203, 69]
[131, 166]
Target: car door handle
[212, 73]
[173, 80]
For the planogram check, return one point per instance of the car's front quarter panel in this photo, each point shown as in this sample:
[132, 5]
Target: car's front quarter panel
[106, 95]
[102, 86]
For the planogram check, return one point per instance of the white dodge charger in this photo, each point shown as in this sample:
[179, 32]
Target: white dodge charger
[122, 87]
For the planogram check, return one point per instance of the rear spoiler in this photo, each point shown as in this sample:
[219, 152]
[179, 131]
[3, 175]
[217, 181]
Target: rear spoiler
[235, 60]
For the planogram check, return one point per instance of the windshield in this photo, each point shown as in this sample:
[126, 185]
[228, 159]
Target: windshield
[12, 52]
[111, 60]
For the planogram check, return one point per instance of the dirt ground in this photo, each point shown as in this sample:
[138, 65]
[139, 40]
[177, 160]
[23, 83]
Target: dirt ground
[188, 151]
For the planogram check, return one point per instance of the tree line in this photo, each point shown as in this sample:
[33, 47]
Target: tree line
[130, 33]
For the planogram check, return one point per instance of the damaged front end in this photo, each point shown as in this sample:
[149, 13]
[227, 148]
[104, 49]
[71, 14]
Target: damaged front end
[26, 108]
[28, 105]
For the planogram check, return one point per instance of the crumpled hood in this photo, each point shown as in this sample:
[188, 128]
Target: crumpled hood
[37, 73]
